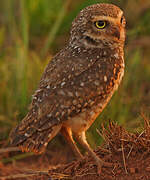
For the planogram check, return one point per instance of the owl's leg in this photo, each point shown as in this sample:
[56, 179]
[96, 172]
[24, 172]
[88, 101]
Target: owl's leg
[99, 162]
[67, 133]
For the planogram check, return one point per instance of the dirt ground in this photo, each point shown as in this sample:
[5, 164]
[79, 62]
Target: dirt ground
[128, 154]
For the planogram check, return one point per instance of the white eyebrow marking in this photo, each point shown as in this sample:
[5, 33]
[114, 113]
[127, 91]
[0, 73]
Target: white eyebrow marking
[108, 18]
[120, 14]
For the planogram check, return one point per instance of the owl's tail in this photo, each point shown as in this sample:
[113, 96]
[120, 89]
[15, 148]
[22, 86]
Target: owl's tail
[36, 142]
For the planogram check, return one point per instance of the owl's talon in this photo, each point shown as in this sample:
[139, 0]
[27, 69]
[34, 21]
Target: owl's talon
[100, 163]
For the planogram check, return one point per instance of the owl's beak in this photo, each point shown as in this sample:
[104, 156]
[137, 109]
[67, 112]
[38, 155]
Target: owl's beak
[117, 33]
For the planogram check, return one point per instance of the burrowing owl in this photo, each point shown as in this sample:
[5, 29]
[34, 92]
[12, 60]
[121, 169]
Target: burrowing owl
[77, 83]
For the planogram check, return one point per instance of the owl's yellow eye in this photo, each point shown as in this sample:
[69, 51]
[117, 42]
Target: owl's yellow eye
[100, 24]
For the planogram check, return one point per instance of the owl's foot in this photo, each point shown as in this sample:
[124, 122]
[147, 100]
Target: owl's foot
[100, 163]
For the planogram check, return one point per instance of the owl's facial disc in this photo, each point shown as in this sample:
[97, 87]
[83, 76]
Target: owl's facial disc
[105, 28]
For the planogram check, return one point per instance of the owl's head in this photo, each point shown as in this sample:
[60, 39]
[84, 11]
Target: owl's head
[99, 25]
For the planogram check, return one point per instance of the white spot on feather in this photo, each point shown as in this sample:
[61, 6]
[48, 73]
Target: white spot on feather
[62, 84]
[38, 90]
[49, 115]
[27, 135]
[48, 87]
[45, 144]
[82, 84]
[116, 55]
[105, 78]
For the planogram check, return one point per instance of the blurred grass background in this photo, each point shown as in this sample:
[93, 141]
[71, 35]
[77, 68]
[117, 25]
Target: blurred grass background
[31, 32]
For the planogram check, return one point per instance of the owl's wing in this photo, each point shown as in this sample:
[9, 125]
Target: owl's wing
[64, 90]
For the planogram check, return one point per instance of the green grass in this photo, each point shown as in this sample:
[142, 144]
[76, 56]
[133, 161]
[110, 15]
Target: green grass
[32, 31]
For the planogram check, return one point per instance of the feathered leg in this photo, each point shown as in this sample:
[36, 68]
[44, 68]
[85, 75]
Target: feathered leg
[67, 133]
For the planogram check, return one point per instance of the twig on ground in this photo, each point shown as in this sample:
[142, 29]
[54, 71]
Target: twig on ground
[25, 175]
[124, 161]
[9, 149]
[17, 157]
[31, 173]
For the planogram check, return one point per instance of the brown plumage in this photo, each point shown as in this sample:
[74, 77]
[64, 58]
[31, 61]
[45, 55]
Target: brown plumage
[77, 83]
